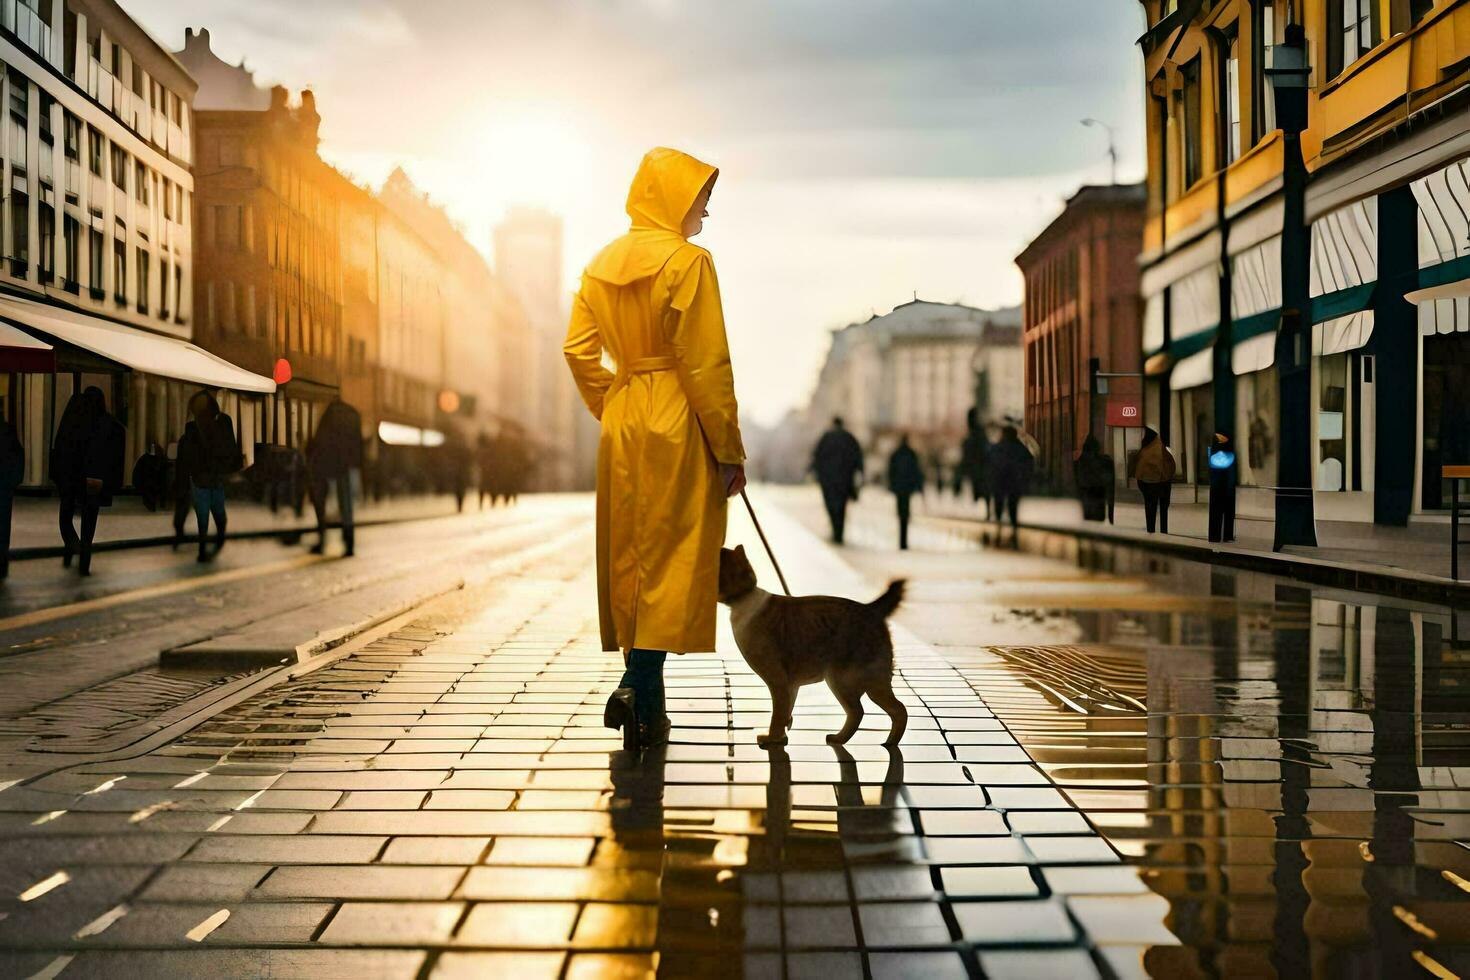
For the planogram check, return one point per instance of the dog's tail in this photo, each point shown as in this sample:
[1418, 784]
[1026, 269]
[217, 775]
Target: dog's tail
[886, 604]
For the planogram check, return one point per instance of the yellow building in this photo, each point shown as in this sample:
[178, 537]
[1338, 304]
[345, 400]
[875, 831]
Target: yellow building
[1387, 151]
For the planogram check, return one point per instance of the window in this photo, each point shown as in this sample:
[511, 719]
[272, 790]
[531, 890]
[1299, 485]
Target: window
[1230, 142]
[71, 232]
[46, 233]
[1264, 98]
[72, 134]
[94, 151]
[164, 281]
[178, 292]
[144, 283]
[1335, 424]
[168, 199]
[1352, 32]
[44, 104]
[94, 262]
[119, 272]
[1193, 137]
[141, 178]
[69, 33]
[20, 234]
[209, 305]
[119, 167]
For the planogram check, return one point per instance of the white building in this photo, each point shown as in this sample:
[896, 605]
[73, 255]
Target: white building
[918, 371]
[96, 271]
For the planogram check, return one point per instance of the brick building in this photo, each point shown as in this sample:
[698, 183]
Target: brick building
[1082, 315]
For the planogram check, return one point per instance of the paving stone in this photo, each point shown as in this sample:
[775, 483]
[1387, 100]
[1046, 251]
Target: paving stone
[392, 923]
[476, 966]
[519, 924]
[205, 882]
[435, 850]
[372, 881]
[296, 849]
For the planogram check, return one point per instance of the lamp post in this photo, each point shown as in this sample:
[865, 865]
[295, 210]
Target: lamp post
[1295, 517]
[1112, 144]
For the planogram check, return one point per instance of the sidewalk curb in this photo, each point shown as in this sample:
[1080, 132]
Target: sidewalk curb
[1396, 583]
[128, 544]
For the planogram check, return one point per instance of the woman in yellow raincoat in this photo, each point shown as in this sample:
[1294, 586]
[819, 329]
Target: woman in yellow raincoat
[670, 453]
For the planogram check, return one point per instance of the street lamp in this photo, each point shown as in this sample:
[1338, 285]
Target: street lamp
[1295, 517]
[1112, 144]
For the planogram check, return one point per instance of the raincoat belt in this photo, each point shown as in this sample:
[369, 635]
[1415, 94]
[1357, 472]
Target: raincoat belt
[640, 365]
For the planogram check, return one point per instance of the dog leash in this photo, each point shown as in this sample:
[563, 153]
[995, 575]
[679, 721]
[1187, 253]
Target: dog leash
[771, 554]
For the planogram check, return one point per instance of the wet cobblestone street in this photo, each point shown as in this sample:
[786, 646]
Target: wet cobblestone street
[1100, 778]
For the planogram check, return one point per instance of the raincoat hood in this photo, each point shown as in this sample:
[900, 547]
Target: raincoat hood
[663, 191]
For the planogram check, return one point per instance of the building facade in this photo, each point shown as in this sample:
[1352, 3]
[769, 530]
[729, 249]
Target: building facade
[528, 260]
[97, 271]
[1386, 145]
[918, 371]
[267, 265]
[1082, 318]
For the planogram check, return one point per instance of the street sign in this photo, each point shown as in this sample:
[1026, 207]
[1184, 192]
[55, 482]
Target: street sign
[1125, 411]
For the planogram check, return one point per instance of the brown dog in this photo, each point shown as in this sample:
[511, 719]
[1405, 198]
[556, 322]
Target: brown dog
[790, 642]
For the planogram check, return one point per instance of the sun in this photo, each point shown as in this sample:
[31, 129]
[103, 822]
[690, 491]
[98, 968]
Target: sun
[535, 155]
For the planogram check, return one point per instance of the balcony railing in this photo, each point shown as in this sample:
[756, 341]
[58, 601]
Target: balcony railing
[27, 25]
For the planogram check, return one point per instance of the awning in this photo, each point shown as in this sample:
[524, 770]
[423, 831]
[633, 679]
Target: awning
[20, 353]
[398, 434]
[1253, 354]
[137, 349]
[1342, 334]
[1195, 370]
[1444, 315]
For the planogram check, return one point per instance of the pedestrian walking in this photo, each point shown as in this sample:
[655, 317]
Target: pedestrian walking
[485, 465]
[1154, 468]
[150, 477]
[905, 478]
[1221, 463]
[1010, 476]
[838, 462]
[974, 461]
[334, 458]
[208, 454]
[12, 472]
[670, 453]
[1096, 477]
[87, 468]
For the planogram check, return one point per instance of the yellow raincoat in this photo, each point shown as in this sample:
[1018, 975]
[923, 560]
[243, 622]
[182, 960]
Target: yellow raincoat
[651, 301]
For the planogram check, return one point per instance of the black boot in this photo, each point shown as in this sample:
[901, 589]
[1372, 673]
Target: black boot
[620, 714]
[203, 551]
[219, 535]
[655, 734]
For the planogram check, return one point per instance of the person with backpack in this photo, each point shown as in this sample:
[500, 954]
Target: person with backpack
[208, 455]
[1154, 469]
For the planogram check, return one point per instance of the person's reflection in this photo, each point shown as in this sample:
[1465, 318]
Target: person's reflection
[637, 808]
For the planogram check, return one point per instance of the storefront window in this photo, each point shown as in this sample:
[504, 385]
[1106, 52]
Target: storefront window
[1257, 418]
[1446, 412]
[1336, 423]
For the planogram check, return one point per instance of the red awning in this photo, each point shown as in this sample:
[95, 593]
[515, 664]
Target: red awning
[20, 353]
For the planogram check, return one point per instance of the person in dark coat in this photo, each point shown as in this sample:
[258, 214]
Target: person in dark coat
[1096, 477]
[334, 453]
[150, 477]
[1010, 475]
[1221, 463]
[905, 478]
[973, 467]
[208, 454]
[837, 461]
[485, 468]
[12, 472]
[87, 468]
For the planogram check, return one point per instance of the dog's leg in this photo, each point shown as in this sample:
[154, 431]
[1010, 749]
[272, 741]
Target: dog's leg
[881, 691]
[783, 697]
[850, 696]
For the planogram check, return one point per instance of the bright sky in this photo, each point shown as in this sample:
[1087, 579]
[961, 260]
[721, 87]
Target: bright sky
[869, 149]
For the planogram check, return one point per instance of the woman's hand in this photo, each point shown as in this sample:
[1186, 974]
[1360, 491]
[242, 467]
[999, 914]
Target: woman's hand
[732, 475]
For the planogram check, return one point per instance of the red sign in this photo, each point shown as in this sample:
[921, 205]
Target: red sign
[282, 372]
[1125, 411]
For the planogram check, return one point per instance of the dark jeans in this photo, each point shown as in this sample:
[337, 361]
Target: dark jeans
[344, 506]
[645, 675]
[1222, 513]
[207, 501]
[90, 505]
[1008, 503]
[903, 521]
[835, 497]
[183, 502]
[1156, 504]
